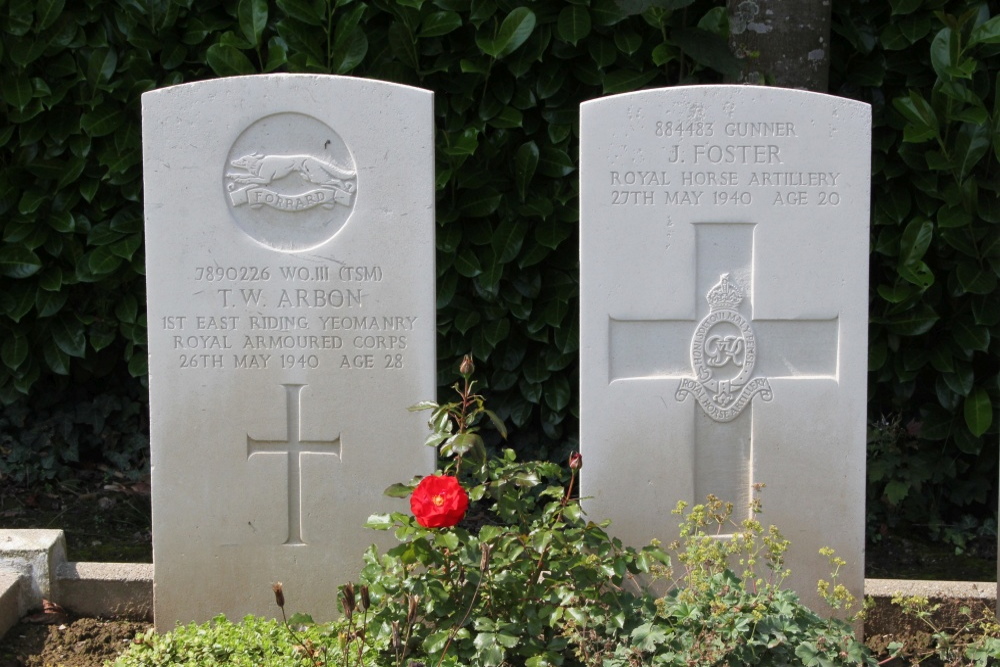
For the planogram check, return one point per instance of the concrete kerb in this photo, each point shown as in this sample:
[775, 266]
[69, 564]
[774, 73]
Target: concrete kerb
[106, 590]
[33, 555]
[33, 566]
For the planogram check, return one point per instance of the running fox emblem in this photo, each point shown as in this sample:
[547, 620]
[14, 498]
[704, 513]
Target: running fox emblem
[265, 169]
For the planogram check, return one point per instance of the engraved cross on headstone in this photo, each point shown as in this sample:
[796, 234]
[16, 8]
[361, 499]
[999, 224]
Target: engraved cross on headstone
[723, 357]
[294, 446]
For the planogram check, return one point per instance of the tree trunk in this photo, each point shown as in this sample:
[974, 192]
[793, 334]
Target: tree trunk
[782, 42]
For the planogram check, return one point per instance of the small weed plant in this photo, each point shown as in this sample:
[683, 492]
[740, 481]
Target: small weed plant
[252, 642]
[974, 639]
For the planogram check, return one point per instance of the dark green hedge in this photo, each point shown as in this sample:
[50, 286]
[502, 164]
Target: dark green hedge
[930, 69]
[509, 81]
[509, 77]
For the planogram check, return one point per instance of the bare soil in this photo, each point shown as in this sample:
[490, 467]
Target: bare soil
[84, 642]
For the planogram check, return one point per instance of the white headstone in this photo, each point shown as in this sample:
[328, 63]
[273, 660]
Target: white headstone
[723, 325]
[290, 279]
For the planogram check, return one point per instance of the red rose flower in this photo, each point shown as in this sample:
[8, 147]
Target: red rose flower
[439, 501]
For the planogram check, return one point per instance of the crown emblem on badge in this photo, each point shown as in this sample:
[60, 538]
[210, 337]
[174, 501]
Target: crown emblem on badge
[725, 295]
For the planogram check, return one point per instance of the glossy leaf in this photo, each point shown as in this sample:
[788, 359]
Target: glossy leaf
[961, 380]
[480, 203]
[252, 15]
[919, 113]
[971, 145]
[18, 262]
[986, 33]
[623, 81]
[48, 303]
[978, 411]
[918, 321]
[301, 10]
[57, 360]
[467, 264]
[47, 12]
[971, 337]
[555, 163]
[513, 32]
[438, 24]
[975, 278]
[68, 334]
[905, 6]
[14, 351]
[507, 240]
[226, 60]
[915, 240]
[16, 89]
[574, 23]
[102, 121]
[525, 164]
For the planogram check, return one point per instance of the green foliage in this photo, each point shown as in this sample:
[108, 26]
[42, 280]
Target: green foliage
[528, 580]
[930, 70]
[539, 584]
[252, 642]
[71, 256]
[909, 485]
[44, 439]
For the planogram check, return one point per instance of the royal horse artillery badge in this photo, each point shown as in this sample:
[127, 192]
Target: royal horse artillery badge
[723, 351]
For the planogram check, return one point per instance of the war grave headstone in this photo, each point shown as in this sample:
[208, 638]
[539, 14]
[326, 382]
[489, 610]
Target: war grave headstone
[290, 279]
[724, 277]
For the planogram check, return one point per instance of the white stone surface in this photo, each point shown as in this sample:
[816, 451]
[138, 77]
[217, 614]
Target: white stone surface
[762, 195]
[290, 278]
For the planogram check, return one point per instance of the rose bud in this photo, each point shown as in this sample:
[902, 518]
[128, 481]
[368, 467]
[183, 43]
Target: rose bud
[467, 368]
[575, 461]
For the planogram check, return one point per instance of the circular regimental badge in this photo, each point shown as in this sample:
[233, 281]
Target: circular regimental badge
[723, 351]
[290, 182]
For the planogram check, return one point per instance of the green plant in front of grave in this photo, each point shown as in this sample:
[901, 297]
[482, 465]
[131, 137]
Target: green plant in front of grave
[252, 642]
[538, 584]
[526, 579]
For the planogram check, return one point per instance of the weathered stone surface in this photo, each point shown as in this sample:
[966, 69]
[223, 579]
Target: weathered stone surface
[290, 262]
[724, 278]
